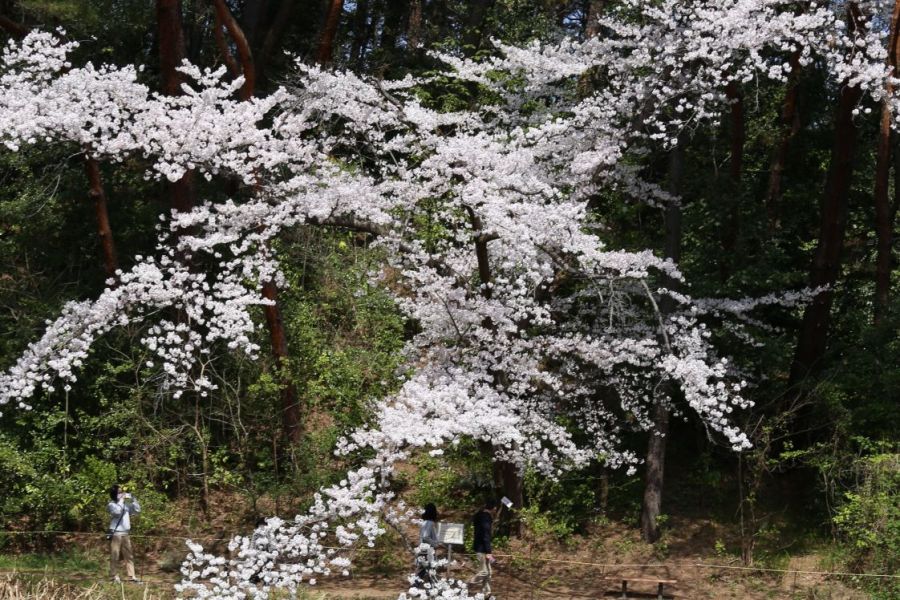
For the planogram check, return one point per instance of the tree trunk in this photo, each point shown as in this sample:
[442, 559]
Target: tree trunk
[325, 51]
[227, 57]
[653, 483]
[731, 222]
[253, 16]
[171, 45]
[591, 16]
[883, 220]
[290, 405]
[508, 483]
[826, 265]
[224, 16]
[651, 507]
[171, 55]
[272, 39]
[414, 27]
[392, 26]
[790, 125]
[104, 231]
[14, 29]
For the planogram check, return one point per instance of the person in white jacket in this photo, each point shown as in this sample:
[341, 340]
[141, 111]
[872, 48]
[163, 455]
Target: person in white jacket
[121, 506]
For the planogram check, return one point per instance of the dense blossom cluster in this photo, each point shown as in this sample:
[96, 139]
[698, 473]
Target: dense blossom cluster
[527, 321]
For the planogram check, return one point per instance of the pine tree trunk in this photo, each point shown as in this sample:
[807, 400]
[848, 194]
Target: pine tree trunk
[790, 125]
[291, 417]
[731, 225]
[414, 27]
[325, 51]
[290, 405]
[883, 220]
[813, 338]
[273, 37]
[171, 55]
[104, 230]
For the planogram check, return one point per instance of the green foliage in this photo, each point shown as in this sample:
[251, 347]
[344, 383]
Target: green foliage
[558, 508]
[869, 518]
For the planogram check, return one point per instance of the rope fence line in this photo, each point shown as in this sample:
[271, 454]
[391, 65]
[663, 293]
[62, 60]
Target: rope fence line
[680, 565]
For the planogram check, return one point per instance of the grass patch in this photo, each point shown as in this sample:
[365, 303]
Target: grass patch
[62, 561]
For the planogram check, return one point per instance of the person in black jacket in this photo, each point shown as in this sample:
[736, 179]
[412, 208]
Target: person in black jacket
[483, 522]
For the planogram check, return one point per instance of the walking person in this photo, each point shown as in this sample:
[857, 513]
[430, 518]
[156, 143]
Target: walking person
[483, 523]
[428, 541]
[121, 506]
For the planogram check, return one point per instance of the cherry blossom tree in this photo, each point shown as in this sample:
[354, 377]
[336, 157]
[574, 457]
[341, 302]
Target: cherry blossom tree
[535, 337]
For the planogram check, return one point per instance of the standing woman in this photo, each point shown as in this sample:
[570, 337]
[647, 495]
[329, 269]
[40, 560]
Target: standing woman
[121, 506]
[427, 537]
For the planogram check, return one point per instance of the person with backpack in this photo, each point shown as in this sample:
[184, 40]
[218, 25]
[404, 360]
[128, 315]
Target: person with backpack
[120, 507]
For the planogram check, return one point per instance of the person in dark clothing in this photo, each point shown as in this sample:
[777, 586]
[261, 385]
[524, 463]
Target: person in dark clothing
[483, 523]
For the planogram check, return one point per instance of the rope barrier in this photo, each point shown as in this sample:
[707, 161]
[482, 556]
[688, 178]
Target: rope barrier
[827, 573]
[680, 565]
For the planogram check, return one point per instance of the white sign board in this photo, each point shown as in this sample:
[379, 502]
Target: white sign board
[450, 533]
[506, 502]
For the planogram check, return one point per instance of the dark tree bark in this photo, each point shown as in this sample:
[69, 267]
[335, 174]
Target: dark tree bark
[732, 224]
[790, 126]
[171, 45]
[104, 231]
[591, 16]
[272, 39]
[222, 43]
[414, 27]
[253, 17]
[325, 51]
[883, 218]
[393, 25]
[14, 29]
[291, 417]
[651, 507]
[813, 338]
[171, 55]
[224, 17]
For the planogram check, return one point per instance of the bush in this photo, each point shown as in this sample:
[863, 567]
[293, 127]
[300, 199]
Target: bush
[869, 519]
